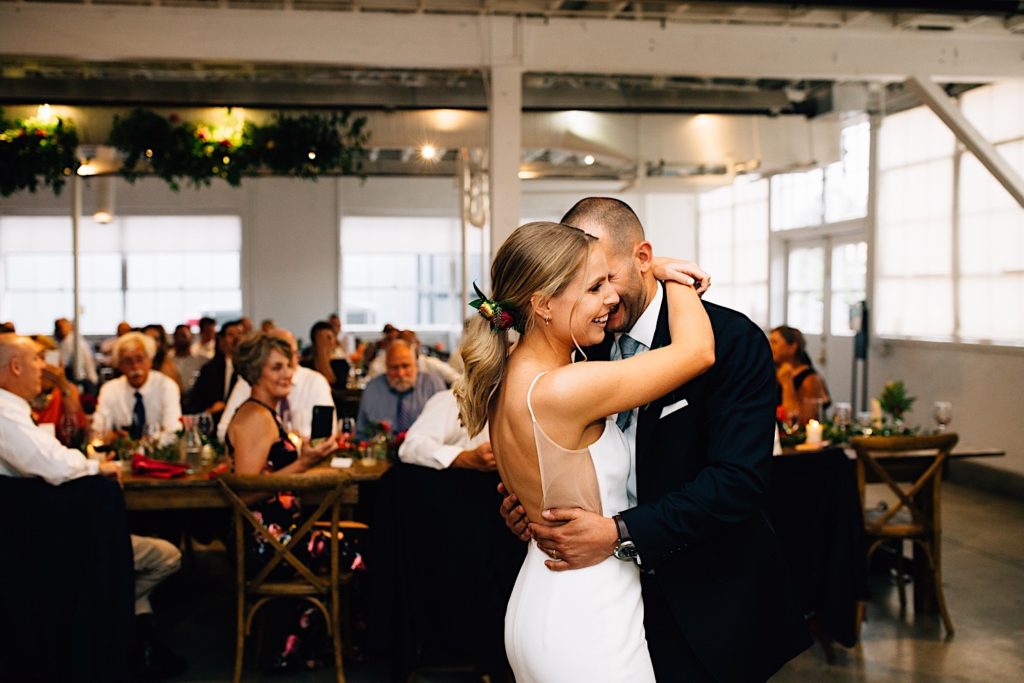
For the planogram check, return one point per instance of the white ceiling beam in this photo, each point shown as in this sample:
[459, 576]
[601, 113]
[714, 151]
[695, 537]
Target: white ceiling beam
[382, 40]
[945, 108]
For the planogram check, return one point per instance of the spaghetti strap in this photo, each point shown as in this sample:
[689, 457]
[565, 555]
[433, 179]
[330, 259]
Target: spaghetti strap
[529, 393]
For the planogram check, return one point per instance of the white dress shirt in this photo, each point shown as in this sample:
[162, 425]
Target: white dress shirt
[643, 332]
[204, 349]
[437, 436]
[85, 364]
[116, 403]
[309, 388]
[27, 450]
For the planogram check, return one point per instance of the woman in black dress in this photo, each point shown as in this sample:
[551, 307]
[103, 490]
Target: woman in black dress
[258, 444]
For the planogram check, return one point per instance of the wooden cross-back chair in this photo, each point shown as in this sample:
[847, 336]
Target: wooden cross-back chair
[911, 467]
[305, 583]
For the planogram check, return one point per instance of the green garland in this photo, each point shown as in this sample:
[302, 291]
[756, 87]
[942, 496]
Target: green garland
[304, 146]
[33, 150]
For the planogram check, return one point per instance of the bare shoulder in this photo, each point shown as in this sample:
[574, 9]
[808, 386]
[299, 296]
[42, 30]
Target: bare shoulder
[251, 419]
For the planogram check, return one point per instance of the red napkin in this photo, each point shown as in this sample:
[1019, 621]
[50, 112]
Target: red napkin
[157, 468]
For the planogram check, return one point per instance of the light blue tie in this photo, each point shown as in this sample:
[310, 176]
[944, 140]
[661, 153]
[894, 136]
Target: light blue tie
[628, 347]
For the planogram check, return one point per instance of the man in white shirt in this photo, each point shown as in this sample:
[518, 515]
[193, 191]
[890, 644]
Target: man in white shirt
[141, 396]
[85, 362]
[309, 388]
[27, 450]
[206, 345]
[438, 440]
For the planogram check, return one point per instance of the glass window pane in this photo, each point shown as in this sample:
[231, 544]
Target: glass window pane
[732, 238]
[805, 311]
[797, 199]
[846, 181]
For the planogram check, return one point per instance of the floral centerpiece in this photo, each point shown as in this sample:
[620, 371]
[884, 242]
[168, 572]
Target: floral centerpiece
[894, 400]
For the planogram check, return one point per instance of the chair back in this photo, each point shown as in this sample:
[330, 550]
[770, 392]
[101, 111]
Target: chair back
[327, 487]
[906, 465]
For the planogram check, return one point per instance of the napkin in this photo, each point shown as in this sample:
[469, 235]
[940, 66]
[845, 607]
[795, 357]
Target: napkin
[156, 468]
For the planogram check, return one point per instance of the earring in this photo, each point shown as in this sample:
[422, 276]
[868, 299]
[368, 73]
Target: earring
[547, 321]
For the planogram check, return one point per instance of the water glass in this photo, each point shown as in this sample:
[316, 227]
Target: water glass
[943, 414]
[841, 414]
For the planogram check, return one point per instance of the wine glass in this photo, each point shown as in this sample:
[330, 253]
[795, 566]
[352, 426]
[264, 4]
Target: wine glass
[943, 414]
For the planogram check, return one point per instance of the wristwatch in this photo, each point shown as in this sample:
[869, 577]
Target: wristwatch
[625, 549]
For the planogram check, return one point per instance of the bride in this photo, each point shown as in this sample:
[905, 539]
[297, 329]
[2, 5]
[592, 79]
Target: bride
[556, 445]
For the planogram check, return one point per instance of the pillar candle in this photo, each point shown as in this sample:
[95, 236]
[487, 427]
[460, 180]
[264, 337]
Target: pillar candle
[814, 432]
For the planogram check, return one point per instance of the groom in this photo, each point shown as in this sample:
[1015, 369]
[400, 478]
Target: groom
[717, 602]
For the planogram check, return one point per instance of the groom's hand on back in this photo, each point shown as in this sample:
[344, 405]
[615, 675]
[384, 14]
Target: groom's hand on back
[577, 538]
[514, 515]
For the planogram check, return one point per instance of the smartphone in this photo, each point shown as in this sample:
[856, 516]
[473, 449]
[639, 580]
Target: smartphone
[323, 423]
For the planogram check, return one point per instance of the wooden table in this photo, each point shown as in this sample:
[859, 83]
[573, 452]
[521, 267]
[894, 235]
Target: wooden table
[199, 491]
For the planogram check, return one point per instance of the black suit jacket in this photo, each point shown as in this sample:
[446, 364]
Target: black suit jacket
[701, 473]
[209, 387]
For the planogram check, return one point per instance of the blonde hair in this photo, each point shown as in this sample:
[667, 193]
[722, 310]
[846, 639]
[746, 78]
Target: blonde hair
[538, 258]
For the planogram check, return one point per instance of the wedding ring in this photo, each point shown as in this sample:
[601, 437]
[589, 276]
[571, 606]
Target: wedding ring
[554, 555]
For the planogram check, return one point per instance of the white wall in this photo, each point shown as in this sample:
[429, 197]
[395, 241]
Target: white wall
[984, 385]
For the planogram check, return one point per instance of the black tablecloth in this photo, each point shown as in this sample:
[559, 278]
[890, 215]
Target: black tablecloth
[814, 505]
[442, 567]
[66, 582]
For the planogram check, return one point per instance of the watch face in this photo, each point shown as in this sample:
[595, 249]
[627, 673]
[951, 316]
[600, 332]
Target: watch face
[626, 551]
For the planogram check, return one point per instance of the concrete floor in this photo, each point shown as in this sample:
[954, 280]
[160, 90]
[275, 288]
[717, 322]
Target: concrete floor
[983, 558]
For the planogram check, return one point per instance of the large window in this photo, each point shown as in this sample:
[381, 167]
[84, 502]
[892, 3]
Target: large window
[143, 269]
[941, 275]
[733, 246]
[839, 192]
[404, 271]
[913, 255]
[990, 242]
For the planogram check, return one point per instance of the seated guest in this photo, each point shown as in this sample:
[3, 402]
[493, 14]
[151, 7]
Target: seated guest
[424, 362]
[162, 360]
[399, 395]
[206, 345]
[246, 323]
[437, 439]
[217, 378]
[321, 355]
[309, 388]
[107, 345]
[84, 369]
[29, 451]
[346, 343]
[267, 326]
[187, 363]
[141, 396]
[7, 327]
[258, 444]
[59, 404]
[801, 389]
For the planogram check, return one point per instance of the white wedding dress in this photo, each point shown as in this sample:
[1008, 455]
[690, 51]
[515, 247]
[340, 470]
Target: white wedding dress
[584, 625]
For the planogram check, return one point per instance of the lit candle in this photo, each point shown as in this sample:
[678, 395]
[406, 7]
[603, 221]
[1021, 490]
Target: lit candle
[814, 430]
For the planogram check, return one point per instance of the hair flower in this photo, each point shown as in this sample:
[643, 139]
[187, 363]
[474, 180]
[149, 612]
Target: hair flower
[500, 314]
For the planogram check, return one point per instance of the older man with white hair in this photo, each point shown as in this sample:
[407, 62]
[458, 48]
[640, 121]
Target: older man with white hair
[141, 396]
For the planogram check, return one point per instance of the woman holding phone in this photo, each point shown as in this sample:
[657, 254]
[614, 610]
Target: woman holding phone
[258, 444]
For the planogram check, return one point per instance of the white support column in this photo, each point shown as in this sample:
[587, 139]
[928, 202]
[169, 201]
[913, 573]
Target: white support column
[504, 144]
[945, 108]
